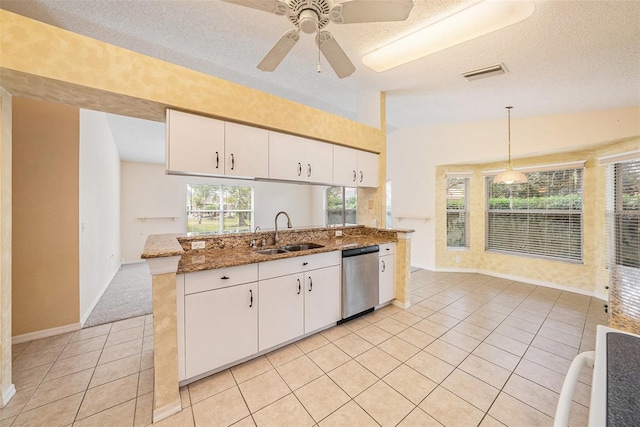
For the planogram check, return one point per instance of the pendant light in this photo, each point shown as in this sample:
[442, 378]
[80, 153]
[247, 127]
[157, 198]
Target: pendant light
[509, 176]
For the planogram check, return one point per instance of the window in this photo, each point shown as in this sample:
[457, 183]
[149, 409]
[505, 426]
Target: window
[219, 208]
[623, 239]
[627, 213]
[342, 205]
[457, 213]
[541, 218]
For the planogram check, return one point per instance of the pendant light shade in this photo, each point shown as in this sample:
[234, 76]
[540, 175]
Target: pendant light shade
[509, 176]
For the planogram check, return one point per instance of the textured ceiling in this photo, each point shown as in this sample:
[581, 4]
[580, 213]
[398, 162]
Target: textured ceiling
[569, 56]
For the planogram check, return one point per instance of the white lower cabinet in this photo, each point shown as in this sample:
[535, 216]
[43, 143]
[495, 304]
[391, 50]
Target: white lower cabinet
[221, 326]
[281, 310]
[387, 285]
[321, 298]
[221, 321]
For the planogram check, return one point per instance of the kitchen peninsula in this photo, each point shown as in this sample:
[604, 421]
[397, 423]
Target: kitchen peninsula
[171, 258]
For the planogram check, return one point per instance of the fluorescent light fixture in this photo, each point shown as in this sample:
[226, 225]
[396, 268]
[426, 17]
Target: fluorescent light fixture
[475, 21]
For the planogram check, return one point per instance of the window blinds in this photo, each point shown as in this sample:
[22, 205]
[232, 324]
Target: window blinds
[541, 218]
[457, 212]
[623, 241]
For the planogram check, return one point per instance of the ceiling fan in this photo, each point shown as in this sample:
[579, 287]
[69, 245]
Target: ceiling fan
[312, 16]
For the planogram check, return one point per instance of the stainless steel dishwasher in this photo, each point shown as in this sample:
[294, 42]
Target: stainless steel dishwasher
[359, 281]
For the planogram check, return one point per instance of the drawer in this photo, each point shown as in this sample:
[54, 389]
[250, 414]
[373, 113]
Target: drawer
[219, 278]
[283, 267]
[387, 249]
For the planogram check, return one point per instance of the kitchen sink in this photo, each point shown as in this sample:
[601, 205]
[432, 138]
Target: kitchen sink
[301, 247]
[271, 251]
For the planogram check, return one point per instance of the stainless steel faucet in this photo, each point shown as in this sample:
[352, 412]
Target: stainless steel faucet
[277, 239]
[253, 241]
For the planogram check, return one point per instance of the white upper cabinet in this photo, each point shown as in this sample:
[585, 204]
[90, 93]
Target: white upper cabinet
[367, 169]
[345, 167]
[354, 168]
[318, 160]
[286, 157]
[246, 151]
[199, 145]
[294, 158]
[195, 144]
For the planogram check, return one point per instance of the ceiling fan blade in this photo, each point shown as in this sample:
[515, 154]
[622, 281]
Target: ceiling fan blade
[334, 54]
[358, 11]
[277, 53]
[278, 7]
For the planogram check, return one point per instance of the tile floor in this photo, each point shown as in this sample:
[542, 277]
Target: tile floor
[472, 350]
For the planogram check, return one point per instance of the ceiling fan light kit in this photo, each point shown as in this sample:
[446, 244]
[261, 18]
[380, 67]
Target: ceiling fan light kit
[510, 176]
[475, 21]
[311, 16]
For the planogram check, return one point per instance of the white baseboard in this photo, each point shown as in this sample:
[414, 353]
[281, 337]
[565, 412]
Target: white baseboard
[166, 411]
[520, 279]
[84, 316]
[8, 394]
[404, 306]
[138, 261]
[17, 339]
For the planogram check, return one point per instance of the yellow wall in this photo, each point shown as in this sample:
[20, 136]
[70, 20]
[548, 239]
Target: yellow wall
[587, 277]
[45, 215]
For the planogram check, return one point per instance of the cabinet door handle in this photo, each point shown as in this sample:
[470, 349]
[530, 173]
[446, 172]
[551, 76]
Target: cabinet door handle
[384, 266]
[308, 170]
[305, 263]
[217, 160]
[225, 278]
[310, 284]
[233, 161]
[361, 176]
[250, 298]
[299, 287]
[354, 176]
[299, 168]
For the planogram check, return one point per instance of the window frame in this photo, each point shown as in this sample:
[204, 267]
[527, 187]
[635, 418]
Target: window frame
[222, 210]
[533, 214]
[620, 213]
[464, 211]
[344, 209]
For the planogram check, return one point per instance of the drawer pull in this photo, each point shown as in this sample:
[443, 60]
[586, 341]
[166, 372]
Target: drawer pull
[305, 263]
[250, 298]
[299, 287]
[310, 284]
[224, 278]
[384, 266]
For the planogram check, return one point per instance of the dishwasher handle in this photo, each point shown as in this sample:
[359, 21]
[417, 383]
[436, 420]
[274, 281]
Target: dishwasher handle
[360, 251]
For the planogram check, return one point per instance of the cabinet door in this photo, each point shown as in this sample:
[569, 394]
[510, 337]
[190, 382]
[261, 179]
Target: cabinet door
[281, 310]
[345, 166]
[318, 167]
[286, 157]
[387, 290]
[367, 169]
[195, 144]
[246, 151]
[221, 327]
[321, 298]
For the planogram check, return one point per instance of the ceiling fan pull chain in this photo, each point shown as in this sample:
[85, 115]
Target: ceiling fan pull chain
[318, 38]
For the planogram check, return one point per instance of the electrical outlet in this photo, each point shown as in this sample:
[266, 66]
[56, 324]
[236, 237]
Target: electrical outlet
[338, 233]
[457, 260]
[197, 245]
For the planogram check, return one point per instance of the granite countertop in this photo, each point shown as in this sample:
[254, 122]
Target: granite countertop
[229, 250]
[220, 258]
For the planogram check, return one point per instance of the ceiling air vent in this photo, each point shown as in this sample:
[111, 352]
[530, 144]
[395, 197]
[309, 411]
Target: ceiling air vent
[481, 73]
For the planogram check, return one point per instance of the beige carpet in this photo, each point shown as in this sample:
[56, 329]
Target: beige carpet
[128, 295]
